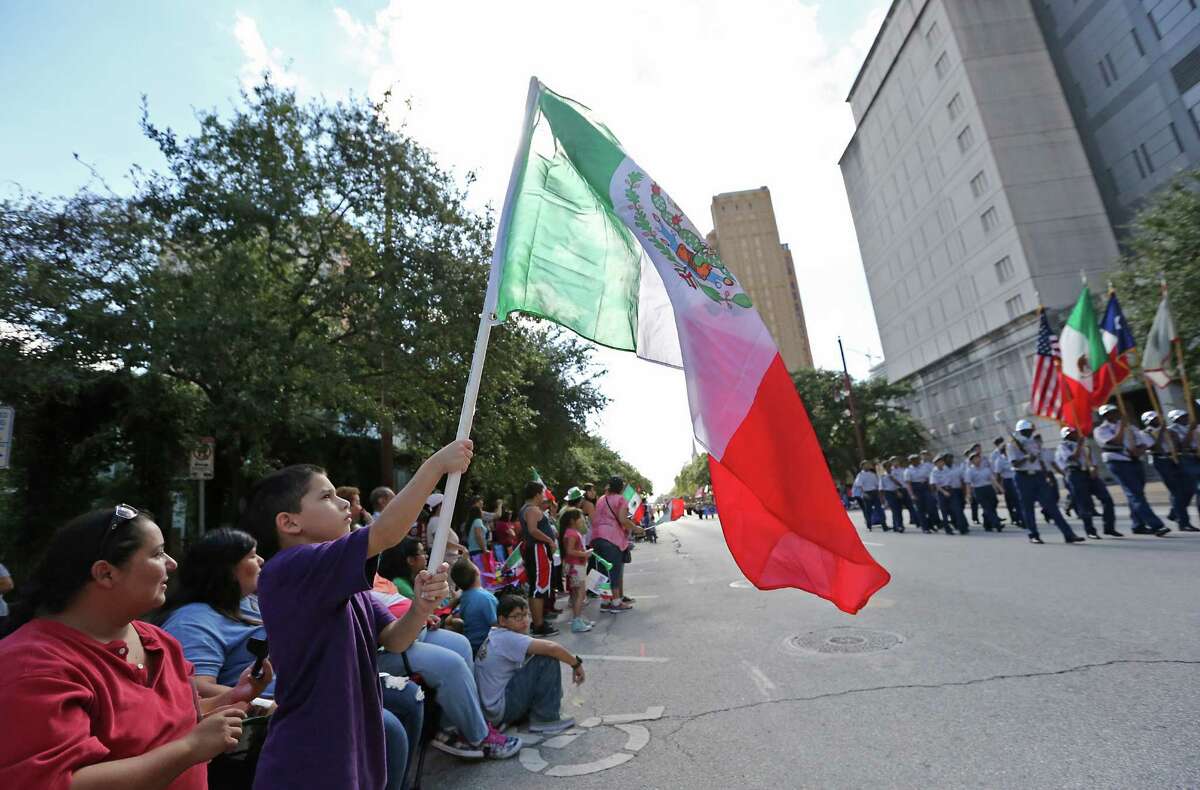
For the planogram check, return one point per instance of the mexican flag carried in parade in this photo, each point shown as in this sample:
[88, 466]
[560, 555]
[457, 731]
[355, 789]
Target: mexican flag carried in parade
[1083, 355]
[594, 243]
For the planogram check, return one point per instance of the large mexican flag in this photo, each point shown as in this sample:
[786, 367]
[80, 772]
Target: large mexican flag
[595, 244]
[1083, 355]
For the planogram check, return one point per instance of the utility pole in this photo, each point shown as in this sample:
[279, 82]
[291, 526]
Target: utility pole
[858, 436]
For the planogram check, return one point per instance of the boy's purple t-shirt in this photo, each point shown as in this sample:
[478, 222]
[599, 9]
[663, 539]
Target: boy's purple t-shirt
[323, 627]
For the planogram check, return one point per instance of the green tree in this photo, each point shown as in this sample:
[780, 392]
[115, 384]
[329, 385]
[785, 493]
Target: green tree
[1164, 242]
[694, 474]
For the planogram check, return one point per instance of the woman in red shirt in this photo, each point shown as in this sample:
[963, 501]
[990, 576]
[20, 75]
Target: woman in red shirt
[504, 535]
[92, 697]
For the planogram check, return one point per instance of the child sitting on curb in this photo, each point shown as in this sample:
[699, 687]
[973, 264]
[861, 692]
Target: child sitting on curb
[476, 606]
[575, 560]
[518, 676]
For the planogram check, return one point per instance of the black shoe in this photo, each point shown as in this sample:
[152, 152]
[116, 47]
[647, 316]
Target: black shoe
[901, 529]
[1189, 528]
[1076, 539]
[1036, 539]
[1141, 531]
[949, 531]
[887, 529]
[927, 531]
[963, 531]
[545, 630]
[1172, 517]
[1091, 533]
[1113, 533]
[1161, 531]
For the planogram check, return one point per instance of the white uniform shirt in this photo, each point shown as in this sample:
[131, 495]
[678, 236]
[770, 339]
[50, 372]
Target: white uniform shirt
[946, 477]
[868, 482]
[1025, 455]
[978, 476]
[1001, 465]
[1064, 456]
[1181, 432]
[1049, 460]
[1105, 434]
[889, 481]
[918, 473]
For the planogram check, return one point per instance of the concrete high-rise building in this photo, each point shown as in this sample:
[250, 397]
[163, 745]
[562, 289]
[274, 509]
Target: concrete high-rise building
[995, 159]
[747, 238]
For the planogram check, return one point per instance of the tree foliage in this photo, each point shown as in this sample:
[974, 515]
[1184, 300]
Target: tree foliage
[694, 474]
[294, 277]
[1164, 242]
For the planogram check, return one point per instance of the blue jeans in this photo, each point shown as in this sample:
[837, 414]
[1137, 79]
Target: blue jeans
[985, 496]
[535, 691]
[1180, 485]
[1034, 490]
[1081, 495]
[1132, 477]
[443, 659]
[403, 715]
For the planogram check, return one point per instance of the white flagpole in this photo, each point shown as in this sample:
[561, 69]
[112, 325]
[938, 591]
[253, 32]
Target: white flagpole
[438, 551]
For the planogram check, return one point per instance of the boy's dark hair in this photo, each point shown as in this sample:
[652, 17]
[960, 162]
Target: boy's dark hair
[511, 603]
[532, 489]
[463, 574]
[278, 492]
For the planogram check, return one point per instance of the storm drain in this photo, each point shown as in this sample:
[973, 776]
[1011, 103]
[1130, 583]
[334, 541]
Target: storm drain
[842, 640]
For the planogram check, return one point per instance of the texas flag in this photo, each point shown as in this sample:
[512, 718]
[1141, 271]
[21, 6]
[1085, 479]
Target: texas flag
[1118, 341]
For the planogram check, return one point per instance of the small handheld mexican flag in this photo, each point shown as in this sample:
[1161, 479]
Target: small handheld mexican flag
[589, 240]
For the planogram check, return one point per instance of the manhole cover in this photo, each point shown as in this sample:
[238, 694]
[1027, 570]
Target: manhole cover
[842, 640]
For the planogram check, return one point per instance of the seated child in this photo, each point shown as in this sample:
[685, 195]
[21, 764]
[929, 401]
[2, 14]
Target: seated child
[518, 676]
[476, 606]
[575, 560]
[326, 627]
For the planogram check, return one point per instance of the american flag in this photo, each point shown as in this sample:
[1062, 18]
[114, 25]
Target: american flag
[1046, 399]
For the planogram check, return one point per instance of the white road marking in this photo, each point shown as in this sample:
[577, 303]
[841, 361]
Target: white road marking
[594, 721]
[653, 712]
[603, 764]
[639, 736]
[741, 584]
[635, 659]
[764, 684]
[559, 741]
[868, 543]
[532, 760]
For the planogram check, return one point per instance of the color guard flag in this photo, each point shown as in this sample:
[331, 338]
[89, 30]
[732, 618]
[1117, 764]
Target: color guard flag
[1118, 341]
[1156, 360]
[595, 244]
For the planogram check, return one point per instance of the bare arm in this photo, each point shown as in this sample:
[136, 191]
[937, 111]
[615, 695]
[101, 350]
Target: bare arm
[392, 525]
[544, 647]
[398, 635]
[6, 584]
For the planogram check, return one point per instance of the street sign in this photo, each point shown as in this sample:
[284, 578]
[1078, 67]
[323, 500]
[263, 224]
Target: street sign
[7, 413]
[179, 512]
[200, 462]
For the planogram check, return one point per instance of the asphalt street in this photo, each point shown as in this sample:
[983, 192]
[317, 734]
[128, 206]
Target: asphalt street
[987, 662]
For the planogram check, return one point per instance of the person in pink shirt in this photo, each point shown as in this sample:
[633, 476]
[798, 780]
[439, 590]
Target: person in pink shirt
[611, 527]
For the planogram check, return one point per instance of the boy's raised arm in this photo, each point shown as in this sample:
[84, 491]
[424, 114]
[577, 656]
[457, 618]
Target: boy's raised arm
[394, 522]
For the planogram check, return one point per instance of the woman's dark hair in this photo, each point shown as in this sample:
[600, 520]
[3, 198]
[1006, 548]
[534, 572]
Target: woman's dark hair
[532, 489]
[506, 515]
[206, 574]
[568, 517]
[278, 492]
[615, 485]
[66, 566]
[393, 563]
[474, 512]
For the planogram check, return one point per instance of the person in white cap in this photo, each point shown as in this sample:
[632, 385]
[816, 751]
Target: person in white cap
[1122, 447]
[1187, 445]
[917, 478]
[433, 503]
[984, 487]
[868, 482]
[1025, 453]
[1071, 457]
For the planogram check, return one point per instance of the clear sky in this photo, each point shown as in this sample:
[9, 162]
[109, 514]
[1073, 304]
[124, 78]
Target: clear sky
[709, 96]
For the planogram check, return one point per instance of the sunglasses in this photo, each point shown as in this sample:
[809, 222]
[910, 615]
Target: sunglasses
[121, 513]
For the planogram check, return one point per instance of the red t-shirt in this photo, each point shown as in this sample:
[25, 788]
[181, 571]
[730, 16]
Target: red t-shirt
[504, 533]
[68, 701]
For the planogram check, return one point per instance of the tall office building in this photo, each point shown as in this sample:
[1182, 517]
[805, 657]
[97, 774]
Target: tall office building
[984, 177]
[747, 238]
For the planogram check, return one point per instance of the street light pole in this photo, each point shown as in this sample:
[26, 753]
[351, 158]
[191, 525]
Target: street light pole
[858, 436]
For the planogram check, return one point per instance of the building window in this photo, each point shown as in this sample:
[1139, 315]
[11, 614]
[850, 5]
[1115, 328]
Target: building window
[979, 184]
[942, 65]
[1004, 269]
[1137, 160]
[1146, 157]
[955, 107]
[1104, 74]
[990, 219]
[1137, 42]
[932, 34]
[1154, 25]
[966, 138]
[1175, 136]
[1015, 306]
[1112, 67]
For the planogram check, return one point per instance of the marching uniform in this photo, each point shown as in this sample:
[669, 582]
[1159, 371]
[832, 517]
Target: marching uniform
[891, 488]
[1099, 491]
[1120, 447]
[1033, 489]
[948, 483]
[868, 483]
[1070, 456]
[1185, 441]
[982, 481]
[917, 476]
[1008, 480]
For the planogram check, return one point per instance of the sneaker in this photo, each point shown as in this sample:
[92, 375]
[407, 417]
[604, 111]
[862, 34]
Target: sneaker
[545, 630]
[627, 599]
[579, 625]
[1161, 531]
[498, 746]
[453, 743]
[551, 727]
[615, 608]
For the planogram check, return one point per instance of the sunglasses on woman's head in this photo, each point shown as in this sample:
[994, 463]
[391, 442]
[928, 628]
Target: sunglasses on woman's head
[120, 514]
